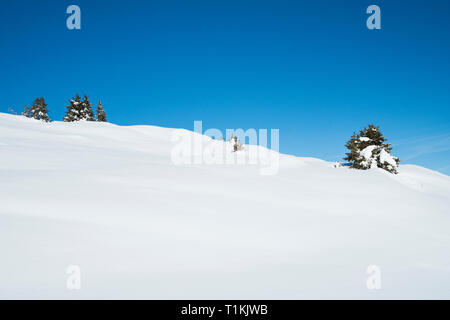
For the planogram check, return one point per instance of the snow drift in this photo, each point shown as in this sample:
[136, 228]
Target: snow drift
[109, 199]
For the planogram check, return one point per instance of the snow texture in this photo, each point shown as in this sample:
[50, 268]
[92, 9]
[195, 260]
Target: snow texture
[109, 199]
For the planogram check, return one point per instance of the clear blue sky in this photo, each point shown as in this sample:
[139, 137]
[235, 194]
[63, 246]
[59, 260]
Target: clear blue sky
[310, 68]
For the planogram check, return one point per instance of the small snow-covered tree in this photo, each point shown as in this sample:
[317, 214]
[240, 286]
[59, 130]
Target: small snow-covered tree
[237, 146]
[26, 112]
[38, 110]
[369, 149]
[101, 114]
[79, 110]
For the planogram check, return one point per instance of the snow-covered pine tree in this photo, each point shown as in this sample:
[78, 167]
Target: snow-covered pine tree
[73, 111]
[79, 110]
[369, 149]
[101, 114]
[86, 112]
[38, 110]
[26, 112]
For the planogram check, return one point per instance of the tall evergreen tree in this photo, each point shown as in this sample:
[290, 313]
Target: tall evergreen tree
[87, 112]
[38, 110]
[101, 114]
[79, 110]
[369, 149]
[73, 111]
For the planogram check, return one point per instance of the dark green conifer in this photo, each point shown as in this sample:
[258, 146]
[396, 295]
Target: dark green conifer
[79, 110]
[101, 114]
[38, 110]
[26, 112]
[87, 113]
[369, 149]
[73, 110]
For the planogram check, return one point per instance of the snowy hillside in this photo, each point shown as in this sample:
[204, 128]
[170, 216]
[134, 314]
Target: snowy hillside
[110, 200]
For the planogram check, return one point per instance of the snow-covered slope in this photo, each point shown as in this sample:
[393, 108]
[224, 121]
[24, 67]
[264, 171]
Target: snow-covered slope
[110, 200]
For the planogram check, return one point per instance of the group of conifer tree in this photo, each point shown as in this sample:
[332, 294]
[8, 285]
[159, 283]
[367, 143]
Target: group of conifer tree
[368, 149]
[78, 110]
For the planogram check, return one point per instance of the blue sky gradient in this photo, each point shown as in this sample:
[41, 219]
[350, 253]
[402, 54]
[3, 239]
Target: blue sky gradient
[310, 68]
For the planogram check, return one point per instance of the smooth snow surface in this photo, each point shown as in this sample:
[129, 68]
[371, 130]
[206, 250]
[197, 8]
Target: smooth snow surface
[110, 200]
